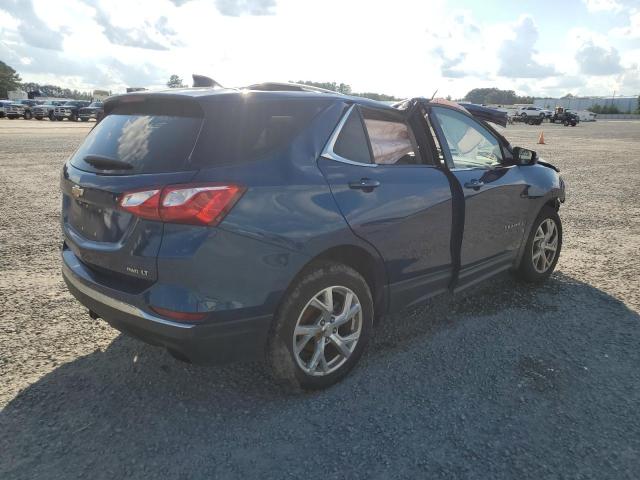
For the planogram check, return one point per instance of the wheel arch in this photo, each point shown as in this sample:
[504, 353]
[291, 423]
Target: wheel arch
[553, 201]
[362, 260]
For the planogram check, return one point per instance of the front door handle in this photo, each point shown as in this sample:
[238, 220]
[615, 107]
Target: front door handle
[365, 184]
[475, 184]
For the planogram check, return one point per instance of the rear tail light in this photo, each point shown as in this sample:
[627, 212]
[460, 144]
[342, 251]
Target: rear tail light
[195, 204]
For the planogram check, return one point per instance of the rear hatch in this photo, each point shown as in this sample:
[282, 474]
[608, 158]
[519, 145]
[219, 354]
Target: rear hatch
[141, 144]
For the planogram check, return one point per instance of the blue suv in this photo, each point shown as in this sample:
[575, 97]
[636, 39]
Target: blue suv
[280, 221]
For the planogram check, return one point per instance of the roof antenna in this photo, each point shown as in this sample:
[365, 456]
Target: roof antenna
[434, 94]
[204, 81]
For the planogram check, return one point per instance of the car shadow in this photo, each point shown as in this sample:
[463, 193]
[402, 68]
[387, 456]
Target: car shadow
[131, 411]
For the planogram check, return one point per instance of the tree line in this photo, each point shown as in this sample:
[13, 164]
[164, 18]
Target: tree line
[176, 82]
[10, 80]
[496, 96]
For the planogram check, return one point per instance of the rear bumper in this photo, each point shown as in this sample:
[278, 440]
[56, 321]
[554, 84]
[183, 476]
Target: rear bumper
[211, 342]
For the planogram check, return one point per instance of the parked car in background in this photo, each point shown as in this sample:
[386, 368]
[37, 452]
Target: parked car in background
[224, 224]
[45, 110]
[93, 111]
[531, 112]
[585, 115]
[3, 105]
[69, 110]
[20, 108]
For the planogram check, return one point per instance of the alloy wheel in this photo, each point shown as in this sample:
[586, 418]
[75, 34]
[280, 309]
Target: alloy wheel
[327, 331]
[545, 245]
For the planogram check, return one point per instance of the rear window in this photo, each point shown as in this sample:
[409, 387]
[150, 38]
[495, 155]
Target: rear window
[243, 130]
[159, 137]
[149, 143]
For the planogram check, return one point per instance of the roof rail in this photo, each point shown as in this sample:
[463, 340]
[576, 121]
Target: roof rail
[288, 87]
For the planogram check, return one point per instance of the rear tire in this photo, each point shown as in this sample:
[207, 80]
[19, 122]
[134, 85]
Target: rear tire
[316, 338]
[542, 250]
[27, 115]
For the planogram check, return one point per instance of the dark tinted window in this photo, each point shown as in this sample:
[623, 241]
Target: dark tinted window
[352, 141]
[245, 129]
[150, 143]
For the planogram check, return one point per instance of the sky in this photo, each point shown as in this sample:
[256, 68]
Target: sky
[401, 47]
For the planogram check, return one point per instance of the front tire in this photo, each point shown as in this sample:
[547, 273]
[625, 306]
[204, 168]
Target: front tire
[542, 250]
[321, 328]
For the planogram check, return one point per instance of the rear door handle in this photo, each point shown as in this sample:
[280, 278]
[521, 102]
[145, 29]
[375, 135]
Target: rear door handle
[475, 184]
[365, 184]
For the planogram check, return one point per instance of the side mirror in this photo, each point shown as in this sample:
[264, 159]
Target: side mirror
[524, 156]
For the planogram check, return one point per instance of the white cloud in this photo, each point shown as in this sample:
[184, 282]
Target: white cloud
[517, 53]
[603, 5]
[596, 60]
[404, 48]
[34, 31]
[630, 31]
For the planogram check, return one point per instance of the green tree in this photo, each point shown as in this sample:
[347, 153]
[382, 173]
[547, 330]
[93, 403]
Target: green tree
[597, 108]
[346, 89]
[336, 87]
[55, 91]
[496, 96]
[9, 80]
[175, 82]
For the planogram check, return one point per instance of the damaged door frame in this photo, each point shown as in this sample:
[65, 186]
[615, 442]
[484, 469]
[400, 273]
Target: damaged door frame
[419, 110]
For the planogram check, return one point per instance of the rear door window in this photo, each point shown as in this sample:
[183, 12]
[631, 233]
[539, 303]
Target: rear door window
[392, 140]
[149, 143]
[352, 143]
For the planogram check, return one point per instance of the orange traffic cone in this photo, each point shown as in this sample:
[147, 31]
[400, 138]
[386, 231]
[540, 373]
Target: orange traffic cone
[541, 139]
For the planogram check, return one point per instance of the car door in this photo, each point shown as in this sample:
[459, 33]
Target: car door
[394, 197]
[494, 193]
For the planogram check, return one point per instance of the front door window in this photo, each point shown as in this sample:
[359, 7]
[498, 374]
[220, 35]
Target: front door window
[470, 144]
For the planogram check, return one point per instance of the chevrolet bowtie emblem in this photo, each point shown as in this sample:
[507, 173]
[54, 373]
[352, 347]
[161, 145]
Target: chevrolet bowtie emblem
[76, 191]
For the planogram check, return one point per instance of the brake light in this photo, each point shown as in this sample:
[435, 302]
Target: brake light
[195, 204]
[142, 204]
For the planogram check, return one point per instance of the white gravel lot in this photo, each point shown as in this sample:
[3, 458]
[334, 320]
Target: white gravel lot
[506, 381]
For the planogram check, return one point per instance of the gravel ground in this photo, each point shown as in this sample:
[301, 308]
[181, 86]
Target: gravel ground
[506, 381]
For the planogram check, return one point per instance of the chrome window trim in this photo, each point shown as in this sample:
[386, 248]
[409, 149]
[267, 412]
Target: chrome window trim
[328, 149]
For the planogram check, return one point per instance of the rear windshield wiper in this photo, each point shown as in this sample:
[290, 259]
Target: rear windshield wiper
[107, 163]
